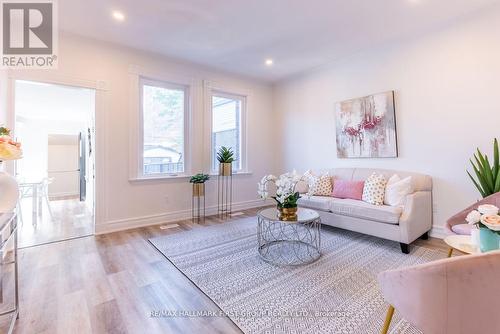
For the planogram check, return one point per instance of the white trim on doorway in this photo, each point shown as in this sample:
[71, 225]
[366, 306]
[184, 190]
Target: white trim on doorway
[101, 119]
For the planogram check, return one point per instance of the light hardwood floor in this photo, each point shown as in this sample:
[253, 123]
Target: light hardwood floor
[56, 226]
[111, 283]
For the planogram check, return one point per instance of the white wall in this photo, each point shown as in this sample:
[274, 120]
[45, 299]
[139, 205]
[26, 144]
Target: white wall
[3, 100]
[34, 141]
[3, 96]
[124, 203]
[447, 98]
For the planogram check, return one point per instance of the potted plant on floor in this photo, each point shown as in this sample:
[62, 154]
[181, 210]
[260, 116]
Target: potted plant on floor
[286, 197]
[198, 182]
[225, 156]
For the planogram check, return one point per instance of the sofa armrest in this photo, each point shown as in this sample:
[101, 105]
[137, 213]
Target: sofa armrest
[416, 218]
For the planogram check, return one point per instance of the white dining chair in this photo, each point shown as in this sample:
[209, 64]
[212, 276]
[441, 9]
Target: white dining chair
[44, 193]
[24, 192]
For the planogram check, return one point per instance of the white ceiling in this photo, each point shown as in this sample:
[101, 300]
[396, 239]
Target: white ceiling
[238, 35]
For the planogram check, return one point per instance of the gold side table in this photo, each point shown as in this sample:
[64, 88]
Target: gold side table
[462, 243]
[225, 189]
[198, 197]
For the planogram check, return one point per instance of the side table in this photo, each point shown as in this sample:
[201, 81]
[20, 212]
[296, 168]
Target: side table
[8, 256]
[462, 243]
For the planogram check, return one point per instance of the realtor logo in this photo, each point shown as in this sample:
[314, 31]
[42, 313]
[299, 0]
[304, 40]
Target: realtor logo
[29, 36]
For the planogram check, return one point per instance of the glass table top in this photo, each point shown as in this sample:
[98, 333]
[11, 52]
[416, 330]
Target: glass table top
[303, 215]
[462, 243]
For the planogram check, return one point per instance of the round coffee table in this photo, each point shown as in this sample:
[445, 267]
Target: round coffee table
[289, 243]
[461, 243]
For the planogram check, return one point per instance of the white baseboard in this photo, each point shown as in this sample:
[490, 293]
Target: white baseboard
[438, 232]
[167, 218]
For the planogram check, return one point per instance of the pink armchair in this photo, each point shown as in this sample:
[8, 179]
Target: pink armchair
[457, 295]
[459, 218]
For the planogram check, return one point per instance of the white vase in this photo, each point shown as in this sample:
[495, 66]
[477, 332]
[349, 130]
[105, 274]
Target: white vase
[9, 192]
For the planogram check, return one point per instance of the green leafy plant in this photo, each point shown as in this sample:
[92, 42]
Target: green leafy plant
[199, 178]
[225, 155]
[487, 176]
[289, 202]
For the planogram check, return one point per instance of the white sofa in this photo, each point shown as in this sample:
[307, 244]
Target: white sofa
[403, 224]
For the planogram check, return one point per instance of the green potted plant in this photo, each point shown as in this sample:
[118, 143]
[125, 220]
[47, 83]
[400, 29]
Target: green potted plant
[288, 210]
[487, 182]
[198, 182]
[225, 156]
[488, 176]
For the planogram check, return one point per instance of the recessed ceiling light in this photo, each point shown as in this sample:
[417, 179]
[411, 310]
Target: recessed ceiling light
[118, 16]
[269, 62]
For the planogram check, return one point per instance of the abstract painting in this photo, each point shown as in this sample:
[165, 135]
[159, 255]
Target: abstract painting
[366, 127]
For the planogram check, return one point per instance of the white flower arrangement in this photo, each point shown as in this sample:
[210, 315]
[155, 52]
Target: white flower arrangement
[485, 215]
[473, 217]
[9, 148]
[262, 186]
[286, 196]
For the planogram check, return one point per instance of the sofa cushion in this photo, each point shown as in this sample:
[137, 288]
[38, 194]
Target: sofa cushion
[359, 209]
[397, 190]
[321, 203]
[374, 189]
[302, 187]
[348, 189]
[354, 208]
[319, 185]
[420, 182]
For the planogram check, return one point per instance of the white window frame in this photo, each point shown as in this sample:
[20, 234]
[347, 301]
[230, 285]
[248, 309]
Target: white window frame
[243, 126]
[187, 113]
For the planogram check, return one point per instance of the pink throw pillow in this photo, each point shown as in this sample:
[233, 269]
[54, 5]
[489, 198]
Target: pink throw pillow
[348, 189]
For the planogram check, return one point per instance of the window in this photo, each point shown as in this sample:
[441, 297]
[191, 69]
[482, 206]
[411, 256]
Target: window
[227, 127]
[164, 110]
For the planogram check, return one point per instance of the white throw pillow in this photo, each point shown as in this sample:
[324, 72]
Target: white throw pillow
[397, 190]
[301, 187]
[374, 189]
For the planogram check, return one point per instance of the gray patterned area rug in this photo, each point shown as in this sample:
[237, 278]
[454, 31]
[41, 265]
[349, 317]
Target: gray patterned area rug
[337, 294]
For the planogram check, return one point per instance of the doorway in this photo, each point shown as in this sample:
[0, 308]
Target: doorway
[55, 125]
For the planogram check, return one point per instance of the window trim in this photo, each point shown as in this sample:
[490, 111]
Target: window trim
[243, 126]
[167, 84]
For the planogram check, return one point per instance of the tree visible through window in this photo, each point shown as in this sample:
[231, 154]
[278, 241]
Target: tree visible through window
[163, 107]
[226, 126]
